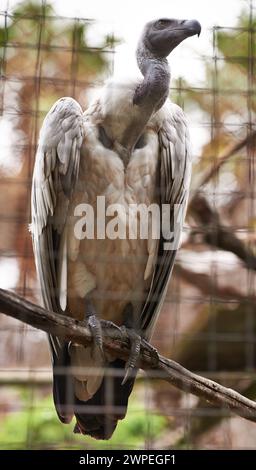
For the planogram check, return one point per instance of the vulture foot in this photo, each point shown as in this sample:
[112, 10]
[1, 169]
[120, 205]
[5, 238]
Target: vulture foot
[152, 352]
[94, 325]
[131, 363]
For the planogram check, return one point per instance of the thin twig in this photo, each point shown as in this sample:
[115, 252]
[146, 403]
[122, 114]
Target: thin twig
[72, 330]
[218, 235]
[229, 152]
[214, 232]
[207, 285]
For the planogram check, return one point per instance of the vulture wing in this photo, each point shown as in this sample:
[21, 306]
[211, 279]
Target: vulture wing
[55, 174]
[175, 174]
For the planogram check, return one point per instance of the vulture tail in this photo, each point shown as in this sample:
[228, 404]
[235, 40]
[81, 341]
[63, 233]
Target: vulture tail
[63, 394]
[98, 416]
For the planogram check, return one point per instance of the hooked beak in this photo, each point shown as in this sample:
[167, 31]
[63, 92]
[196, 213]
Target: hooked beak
[163, 41]
[190, 28]
[182, 30]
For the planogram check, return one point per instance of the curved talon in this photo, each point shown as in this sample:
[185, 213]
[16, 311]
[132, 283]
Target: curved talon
[112, 326]
[94, 325]
[152, 351]
[130, 365]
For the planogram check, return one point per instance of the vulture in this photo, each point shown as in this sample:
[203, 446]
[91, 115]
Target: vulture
[129, 148]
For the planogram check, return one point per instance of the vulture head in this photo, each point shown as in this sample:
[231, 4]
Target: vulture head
[124, 123]
[157, 41]
[160, 37]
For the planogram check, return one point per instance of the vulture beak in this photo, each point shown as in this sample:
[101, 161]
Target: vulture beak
[166, 34]
[189, 28]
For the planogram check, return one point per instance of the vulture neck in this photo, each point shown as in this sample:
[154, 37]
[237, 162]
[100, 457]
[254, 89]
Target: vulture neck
[153, 90]
[149, 95]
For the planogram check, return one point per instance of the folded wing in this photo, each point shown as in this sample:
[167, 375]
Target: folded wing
[54, 178]
[175, 174]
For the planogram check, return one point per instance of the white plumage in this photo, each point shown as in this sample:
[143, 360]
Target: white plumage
[102, 172]
[75, 164]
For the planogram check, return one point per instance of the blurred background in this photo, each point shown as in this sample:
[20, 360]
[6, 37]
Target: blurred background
[208, 322]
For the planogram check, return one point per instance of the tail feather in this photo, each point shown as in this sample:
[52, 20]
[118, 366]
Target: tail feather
[98, 417]
[89, 372]
[63, 384]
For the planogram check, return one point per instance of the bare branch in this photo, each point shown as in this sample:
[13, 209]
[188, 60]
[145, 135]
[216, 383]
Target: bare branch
[171, 371]
[209, 287]
[218, 235]
[229, 152]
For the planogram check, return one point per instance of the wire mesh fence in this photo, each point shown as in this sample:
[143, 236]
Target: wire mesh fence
[208, 320]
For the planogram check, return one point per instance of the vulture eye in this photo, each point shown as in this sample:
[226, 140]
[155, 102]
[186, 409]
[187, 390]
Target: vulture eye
[161, 24]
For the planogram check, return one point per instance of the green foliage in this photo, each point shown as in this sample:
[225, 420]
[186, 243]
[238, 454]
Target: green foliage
[34, 26]
[25, 17]
[38, 427]
[227, 98]
[237, 43]
[236, 61]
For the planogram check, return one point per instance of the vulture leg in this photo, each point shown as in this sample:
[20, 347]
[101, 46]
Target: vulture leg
[93, 323]
[130, 366]
[131, 328]
[136, 342]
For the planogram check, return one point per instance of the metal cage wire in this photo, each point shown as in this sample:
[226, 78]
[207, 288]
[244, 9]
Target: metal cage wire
[208, 315]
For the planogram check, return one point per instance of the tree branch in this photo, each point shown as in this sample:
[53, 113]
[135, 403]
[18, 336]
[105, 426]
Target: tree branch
[209, 287]
[229, 152]
[218, 235]
[72, 330]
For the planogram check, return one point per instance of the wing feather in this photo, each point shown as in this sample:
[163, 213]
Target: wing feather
[55, 174]
[175, 174]
[54, 178]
